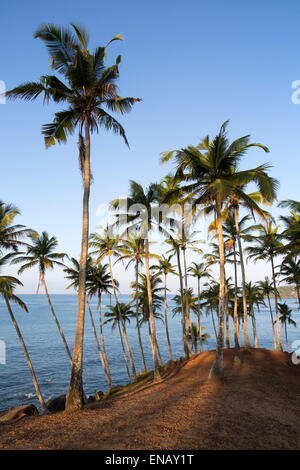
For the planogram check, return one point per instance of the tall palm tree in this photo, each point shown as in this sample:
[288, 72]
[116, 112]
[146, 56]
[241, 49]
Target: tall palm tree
[268, 245]
[255, 298]
[7, 287]
[210, 173]
[292, 227]
[138, 212]
[285, 319]
[199, 271]
[165, 267]
[41, 254]
[11, 234]
[87, 90]
[267, 289]
[133, 251]
[107, 245]
[119, 315]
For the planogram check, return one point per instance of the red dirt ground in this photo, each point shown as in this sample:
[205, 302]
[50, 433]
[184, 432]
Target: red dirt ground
[257, 407]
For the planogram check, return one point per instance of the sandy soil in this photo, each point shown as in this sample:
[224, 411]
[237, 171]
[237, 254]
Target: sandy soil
[257, 407]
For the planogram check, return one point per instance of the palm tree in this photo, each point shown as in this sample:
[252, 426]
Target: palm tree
[133, 250]
[41, 254]
[88, 87]
[199, 271]
[267, 289]
[268, 246]
[255, 298]
[210, 173]
[290, 268]
[107, 245]
[72, 273]
[141, 292]
[119, 314]
[11, 235]
[285, 318]
[138, 212]
[7, 287]
[195, 335]
[165, 267]
[292, 226]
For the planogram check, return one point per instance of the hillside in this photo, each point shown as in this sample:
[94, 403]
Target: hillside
[257, 407]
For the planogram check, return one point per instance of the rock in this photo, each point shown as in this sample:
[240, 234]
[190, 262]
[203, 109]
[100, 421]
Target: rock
[236, 360]
[57, 404]
[98, 395]
[91, 399]
[17, 413]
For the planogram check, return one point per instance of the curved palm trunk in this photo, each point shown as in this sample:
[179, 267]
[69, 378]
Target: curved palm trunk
[118, 307]
[246, 336]
[55, 318]
[199, 318]
[216, 372]
[107, 375]
[272, 320]
[102, 338]
[137, 315]
[183, 313]
[276, 307]
[74, 400]
[298, 294]
[166, 320]
[235, 308]
[286, 338]
[156, 344]
[124, 353]
[34, 379]
[151, 316]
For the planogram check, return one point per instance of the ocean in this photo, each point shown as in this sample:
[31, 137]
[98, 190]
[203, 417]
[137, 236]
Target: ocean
[50, 360]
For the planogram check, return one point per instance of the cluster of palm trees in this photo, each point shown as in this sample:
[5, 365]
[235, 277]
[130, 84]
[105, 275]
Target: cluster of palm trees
[207, 180]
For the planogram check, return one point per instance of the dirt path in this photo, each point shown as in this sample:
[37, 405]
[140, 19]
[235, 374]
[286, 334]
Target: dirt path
[256, 408]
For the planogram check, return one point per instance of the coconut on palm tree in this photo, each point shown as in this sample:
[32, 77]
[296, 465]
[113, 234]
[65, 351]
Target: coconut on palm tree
[88, 93]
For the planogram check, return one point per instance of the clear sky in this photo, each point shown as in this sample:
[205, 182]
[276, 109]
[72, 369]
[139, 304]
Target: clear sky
[195, 64]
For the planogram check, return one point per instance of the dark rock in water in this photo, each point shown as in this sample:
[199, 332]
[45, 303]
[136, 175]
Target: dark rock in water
[98, 395]
[91, 399]
[57, 404]
[18, 412]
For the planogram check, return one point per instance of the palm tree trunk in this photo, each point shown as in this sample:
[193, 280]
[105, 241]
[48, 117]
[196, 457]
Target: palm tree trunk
[298, 293]
[199, 317]
[107, 375]
[188, 314]
[227, 342]
[213, 321]
[286, 338]
[246, 337]
[74, 400]
[124, 353]
[119, 311]
[151, 315]
[128, 350]
[276, 306]
[235, 308]
[166, 320]
[183, 313]
[272, 320]
[216, 371]
[254, 329]
[34, 379]
[102, 338]
[137, 315]
[156, 344]
[55, 318]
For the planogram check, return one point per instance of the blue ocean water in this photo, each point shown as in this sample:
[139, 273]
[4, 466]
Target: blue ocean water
[50, 360]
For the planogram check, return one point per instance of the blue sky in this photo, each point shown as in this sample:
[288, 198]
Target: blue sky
[195, 64]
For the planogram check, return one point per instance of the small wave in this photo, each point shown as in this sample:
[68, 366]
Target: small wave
[29, 395]
[48, 380]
